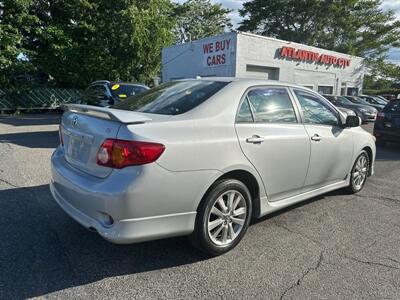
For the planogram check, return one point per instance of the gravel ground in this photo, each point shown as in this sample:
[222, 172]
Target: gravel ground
[335, 246]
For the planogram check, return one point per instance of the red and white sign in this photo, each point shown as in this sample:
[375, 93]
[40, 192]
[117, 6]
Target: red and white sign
[217, 53]
[305, 55]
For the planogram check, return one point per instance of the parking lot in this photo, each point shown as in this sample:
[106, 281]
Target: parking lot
[334, 246]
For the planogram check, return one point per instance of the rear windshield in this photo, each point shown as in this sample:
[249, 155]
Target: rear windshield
[393, 106]
[172, 98]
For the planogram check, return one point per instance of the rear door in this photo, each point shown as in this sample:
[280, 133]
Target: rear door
[331, 145]
[273, 139]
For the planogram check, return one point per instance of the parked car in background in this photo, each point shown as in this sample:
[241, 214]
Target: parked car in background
[365, 112]
[347, 111]
[374, 102]
[389, 97]
[387, 125]
[105, 93]
[202, 157]
[382, 98]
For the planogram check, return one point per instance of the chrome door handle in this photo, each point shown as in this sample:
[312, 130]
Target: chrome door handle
[255, 139]
[316, 137]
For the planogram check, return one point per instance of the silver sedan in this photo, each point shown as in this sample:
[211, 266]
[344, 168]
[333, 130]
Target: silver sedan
[203, 157]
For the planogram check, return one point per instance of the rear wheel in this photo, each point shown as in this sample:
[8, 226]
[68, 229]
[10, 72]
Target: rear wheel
[223, 217]
[359, 173]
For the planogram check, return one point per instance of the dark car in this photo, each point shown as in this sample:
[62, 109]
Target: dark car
[389, 97]
[365, 112]
[374, 102]
[106, 93]
[387, 125]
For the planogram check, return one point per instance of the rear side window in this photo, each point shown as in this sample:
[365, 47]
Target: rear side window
[172, 98]
[244, 114]
[271, 105]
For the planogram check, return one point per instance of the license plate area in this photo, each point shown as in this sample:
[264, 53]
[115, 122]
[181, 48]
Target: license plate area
[78, 146]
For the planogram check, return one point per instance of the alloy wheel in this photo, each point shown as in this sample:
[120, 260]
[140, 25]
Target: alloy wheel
[360, 172]
[226, 217]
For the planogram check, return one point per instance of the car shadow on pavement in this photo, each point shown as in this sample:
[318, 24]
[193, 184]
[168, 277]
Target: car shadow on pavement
[43, 250]
[31, 119]
[34, 139]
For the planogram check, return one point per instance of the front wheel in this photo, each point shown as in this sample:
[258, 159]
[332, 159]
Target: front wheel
[223, 217]
[359, 173]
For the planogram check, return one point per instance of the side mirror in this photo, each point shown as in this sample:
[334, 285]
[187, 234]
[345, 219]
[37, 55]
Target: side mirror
[352, 121]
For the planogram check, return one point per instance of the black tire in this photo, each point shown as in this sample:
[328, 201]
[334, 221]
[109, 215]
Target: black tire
[200, 237]
[353, 188]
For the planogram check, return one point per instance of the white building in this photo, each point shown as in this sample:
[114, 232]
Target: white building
[239, 54]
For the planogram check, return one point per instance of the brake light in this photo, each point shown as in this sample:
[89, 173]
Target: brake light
[118, 154]
[380, 116]
[60, 136]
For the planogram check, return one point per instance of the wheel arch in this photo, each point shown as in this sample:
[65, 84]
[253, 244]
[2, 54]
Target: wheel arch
[248, 179]
[370, 157]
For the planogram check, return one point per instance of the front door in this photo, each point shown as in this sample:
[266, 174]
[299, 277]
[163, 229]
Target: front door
[274, 140]
[331, 145]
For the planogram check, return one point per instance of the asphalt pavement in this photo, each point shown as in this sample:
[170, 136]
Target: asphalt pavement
[335, 246]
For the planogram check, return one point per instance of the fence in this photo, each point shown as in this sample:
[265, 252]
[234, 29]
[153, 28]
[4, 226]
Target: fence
[37, 98]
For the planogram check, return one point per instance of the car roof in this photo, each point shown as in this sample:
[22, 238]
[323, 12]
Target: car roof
[249, 81]
[128, 83]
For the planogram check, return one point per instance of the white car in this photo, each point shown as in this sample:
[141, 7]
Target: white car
[202, 157]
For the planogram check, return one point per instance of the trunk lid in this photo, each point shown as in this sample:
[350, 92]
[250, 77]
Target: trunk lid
[84, 129]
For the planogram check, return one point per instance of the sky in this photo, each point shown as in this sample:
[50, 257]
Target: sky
[394, 54]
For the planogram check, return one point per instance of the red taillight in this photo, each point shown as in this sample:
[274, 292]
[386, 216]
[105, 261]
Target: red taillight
[118, 154]
[380, 116]
[60, 136]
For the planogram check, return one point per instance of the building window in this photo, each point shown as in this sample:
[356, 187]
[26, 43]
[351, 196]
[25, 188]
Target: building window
[263, 72]
[311, 87]
[352, 91]
[325, 89]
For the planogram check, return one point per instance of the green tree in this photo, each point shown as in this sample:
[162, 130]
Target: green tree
[382, 75]
[15, 25]
[356, 27]
[196, 19]
[79, 41]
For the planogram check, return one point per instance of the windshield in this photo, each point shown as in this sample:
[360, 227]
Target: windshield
[172, 98]
[126, 90]
[379, 101]
[343, 100]
[358, 100]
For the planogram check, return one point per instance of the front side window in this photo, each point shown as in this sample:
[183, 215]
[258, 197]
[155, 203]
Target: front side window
[315, 110]
[271, 105]
[172, 98]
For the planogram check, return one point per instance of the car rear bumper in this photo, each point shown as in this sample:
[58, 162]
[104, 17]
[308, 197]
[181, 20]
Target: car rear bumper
[144, 203]
[131, 230]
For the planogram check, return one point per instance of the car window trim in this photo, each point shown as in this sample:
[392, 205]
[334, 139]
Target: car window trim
[330, 105]
[245, 96]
